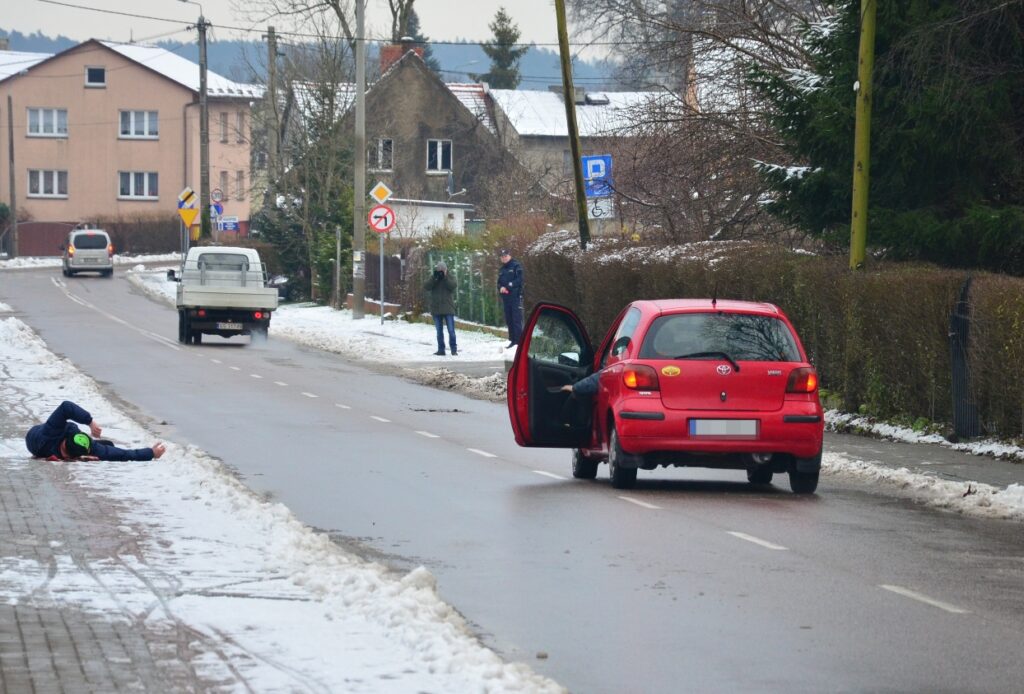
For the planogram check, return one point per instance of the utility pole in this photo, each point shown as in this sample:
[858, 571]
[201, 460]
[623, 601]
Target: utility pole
[204, 133]
[359, 185]
[275, 123]
[569, 97]
[10, 164]
[862, 136]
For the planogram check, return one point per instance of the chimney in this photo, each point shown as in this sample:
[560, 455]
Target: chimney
[579, 93]
[392, 53]
[5, 43]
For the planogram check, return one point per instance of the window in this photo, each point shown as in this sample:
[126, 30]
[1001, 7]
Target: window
[240, 185]
[240, 126]
[48, 122]
[567, 170]
[139, 124]
[224, 185]
[223, 126]
[47, 184]
[439, 155]
[137, 184]
[380, 155]
[95, 76]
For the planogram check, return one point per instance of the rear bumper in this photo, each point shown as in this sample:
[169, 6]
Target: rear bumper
[645, 427]
[212, 323]
[85, 265]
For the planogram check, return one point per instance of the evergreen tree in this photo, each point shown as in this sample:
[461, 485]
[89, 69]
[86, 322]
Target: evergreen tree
[504, 72]
[947, 175]
[423, 42]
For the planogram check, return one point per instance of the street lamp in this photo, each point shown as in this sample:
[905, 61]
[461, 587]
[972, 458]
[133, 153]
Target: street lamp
[204, 128]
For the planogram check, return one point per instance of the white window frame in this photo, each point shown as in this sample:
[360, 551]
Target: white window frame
[240, 126]
[224, 176]
[148, 120]
[44, 117]
[95, 85]
[375, 155]
[223, 126]
[438, 147]
[55, 177]
[239, 184]
[150, 184]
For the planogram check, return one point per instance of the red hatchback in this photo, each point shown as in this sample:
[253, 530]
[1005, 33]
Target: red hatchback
[684, 382]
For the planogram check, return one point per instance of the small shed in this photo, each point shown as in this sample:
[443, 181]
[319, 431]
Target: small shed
[421, 218]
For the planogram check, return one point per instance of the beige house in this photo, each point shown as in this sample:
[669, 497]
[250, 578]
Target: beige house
[106, 130]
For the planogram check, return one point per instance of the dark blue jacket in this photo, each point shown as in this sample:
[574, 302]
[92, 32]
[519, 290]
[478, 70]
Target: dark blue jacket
[510, 276]
[43, 440]
[588, 386]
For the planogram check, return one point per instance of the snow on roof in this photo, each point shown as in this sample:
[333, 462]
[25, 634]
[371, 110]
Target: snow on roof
[14, 62]
[184, 71]
[474, 97]
[542, 113]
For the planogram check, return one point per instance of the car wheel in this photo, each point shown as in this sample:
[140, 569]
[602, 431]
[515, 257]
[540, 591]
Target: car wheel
[760, 475]
[621, 477]
[197, 337]
[183, 333]
[803, 482]
[583, 468]
[65, 272]
[108, 273]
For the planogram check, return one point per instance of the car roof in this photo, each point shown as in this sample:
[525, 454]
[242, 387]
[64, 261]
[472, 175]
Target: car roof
[75, 232]
[703, 305]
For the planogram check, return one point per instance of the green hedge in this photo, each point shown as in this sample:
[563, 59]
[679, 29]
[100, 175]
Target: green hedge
[879, 338]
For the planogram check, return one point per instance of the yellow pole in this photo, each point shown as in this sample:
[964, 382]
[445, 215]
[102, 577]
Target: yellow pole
[862, 136]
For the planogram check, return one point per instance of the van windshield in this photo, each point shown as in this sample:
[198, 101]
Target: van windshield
[90, 240]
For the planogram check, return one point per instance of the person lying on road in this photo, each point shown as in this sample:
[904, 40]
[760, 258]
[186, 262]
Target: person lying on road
[59, 438]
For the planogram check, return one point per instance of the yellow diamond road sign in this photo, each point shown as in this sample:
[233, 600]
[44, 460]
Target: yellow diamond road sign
[380, 193]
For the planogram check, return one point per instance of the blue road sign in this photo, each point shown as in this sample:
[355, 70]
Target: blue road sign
[217, 209]
[597, 175]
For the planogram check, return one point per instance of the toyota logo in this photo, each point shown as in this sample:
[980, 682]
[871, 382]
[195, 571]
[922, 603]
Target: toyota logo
[724, 370]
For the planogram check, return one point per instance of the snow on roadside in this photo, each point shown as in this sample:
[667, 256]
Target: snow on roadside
[291, 605]
[32, 262]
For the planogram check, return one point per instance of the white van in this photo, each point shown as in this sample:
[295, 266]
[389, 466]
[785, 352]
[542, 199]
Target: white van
[88, 250]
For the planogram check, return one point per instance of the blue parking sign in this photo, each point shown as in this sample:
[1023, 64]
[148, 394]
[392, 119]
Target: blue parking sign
[597, 175]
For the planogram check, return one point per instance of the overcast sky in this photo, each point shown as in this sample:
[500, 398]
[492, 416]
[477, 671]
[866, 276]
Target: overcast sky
[441, 20]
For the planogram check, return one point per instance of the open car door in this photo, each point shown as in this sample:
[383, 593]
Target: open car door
[554, 351]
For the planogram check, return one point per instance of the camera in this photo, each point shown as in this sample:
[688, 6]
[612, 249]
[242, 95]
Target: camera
[438, 275]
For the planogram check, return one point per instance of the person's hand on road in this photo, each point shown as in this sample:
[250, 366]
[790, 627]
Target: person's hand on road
[159, 449]
[95, 428]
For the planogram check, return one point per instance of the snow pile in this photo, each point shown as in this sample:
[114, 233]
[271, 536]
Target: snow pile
[51, 261]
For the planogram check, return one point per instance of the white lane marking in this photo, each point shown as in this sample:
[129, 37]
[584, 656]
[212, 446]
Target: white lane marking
[428, 434]
[255, 375]
[216, 361]
[483, 453]
[550, 474]
[380, 419]
[907, 593]
[145, 333]
[310, 395]
[640, 503]
[344, 407]
[280, 383]
[234, 368]
[756, 540]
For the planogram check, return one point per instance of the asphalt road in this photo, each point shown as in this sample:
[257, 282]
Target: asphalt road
[693, 581]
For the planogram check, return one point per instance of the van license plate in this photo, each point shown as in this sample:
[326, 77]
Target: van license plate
[229, 326]
[724, 428]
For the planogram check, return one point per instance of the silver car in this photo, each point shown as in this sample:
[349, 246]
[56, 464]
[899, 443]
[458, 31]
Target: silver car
[88, 250]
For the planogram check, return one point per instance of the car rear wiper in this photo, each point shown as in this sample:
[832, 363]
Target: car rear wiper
[723, 355]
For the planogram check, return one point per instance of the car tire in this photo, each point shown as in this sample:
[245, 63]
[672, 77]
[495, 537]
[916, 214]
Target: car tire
[583, 468]
[621, 477]
[760, 475]
[805, 481]
[183, 332]
[65, 272]
[108, 273]
[196, 337]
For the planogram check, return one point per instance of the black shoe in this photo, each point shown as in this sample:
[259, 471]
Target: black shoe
[455, 352]
[439, 353]
[511, 345]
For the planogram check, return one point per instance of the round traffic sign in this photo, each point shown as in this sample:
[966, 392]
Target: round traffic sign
[217, 195]
[381, 218]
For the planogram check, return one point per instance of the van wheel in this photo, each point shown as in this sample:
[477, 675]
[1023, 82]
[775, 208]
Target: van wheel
[583, 468]
[108, 273]
[183, 332]
[621, 477]
[65, 272]
[197, 337]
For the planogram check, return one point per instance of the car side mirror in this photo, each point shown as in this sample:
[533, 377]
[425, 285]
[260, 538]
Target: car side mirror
[569, 359]
[172, 276]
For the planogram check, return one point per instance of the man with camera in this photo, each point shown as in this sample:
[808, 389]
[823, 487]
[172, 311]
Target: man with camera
[441, 290]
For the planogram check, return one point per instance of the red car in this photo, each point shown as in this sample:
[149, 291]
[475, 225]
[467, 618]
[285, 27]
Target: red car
[683, 382]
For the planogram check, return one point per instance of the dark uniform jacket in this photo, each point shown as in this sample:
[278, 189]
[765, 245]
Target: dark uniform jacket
[510, 276]
[43, 440]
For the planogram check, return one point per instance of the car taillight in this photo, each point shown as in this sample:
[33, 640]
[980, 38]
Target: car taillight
[71, 249]
[110, 250]
[640, 377]
[201, 312]
[802, 380]
[257, 315]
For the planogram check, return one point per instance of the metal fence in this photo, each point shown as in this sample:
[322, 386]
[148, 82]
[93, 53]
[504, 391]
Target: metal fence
[966, 423]
[476, 293]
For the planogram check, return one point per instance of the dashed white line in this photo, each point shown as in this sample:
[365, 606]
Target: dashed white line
[483, 453]
[234, 368]
[344, 407]
[907, 593]
[643, 504]
[310, 395]
[280, 383]
[550, 474]
[379, 419]
[255, 375]
[216, 361]
[428, 434]
[756, 540]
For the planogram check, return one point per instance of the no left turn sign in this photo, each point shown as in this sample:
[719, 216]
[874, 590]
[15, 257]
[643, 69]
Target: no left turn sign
[381, 218]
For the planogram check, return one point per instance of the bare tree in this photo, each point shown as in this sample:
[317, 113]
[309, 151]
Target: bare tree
[400, 10]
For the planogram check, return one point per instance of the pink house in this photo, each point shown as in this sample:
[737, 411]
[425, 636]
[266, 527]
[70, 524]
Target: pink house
[112, 130]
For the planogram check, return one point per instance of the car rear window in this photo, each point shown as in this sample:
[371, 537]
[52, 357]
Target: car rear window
[743, 336]
[90, 241]
[234, 262]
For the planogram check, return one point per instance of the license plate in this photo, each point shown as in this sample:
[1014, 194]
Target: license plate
[724, 428]
[229, 326]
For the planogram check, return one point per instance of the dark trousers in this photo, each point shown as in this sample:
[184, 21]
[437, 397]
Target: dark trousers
[513, 317]
[440, 321]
